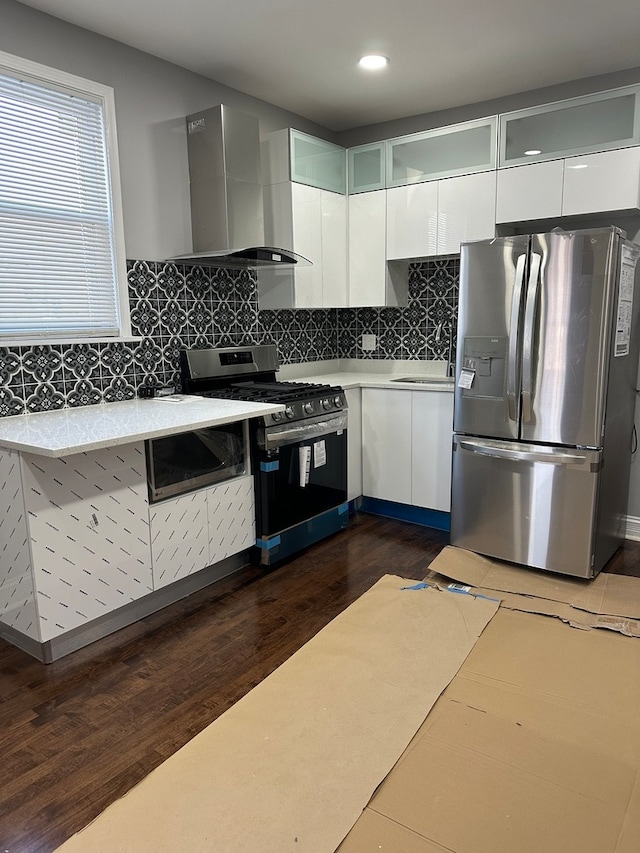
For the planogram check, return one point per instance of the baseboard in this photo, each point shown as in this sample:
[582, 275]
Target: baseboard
[404, 512]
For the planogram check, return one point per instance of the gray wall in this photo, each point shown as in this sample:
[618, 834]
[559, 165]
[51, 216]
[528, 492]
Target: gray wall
[522, 100]
[152, 98]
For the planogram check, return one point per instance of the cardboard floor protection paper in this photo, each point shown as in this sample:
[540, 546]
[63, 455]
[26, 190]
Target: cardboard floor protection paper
[292, 765]
[533, 748]
[607, 601]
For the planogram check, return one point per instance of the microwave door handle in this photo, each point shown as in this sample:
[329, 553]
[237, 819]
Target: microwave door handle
[528, 335]
[514, 339]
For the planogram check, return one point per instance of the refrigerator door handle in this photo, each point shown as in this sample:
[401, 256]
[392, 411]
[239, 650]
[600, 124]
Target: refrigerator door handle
[528, 336]
[512, 364]
[495, 452]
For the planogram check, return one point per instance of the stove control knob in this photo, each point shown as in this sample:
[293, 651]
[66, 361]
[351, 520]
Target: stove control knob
[289, 412]
[326, 403]
[337, 401]
[308, 408]
[277, 416]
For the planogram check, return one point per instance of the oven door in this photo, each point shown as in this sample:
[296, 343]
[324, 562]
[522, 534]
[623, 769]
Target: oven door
[301, 472]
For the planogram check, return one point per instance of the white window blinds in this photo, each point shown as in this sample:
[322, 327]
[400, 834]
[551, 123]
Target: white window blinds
[58, 265]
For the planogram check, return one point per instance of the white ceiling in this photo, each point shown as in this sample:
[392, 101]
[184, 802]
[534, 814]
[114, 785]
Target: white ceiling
[301, 54]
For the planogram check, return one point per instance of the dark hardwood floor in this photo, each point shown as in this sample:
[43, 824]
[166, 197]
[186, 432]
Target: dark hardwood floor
[79, 733]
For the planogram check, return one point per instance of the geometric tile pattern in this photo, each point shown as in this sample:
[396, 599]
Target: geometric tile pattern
[88, 520]
[17, 597]
[174, 306]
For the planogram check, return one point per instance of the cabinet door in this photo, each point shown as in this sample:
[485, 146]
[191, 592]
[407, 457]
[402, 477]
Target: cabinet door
[367, 248]
[466, 210]
[318, 163]
[386, 444]
[307, 241]
[354, 443]
[412, 221]
[334, 250]
[179, 541]
[365, 167]
[529, 192]
[231, 515]
[431, 435]
[599, 182]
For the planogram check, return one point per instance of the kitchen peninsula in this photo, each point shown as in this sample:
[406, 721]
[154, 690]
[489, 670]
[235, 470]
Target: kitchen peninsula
[84, 551]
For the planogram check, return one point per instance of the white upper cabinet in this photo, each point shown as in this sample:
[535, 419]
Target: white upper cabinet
[599, 122]
[412, 220]
[466, 210]
[318, 163]
[602, 182]
[365, 168]
[591, 183]
[367, 219]
[530, 192]
[313, 223]
[433, 218]
[458, 149]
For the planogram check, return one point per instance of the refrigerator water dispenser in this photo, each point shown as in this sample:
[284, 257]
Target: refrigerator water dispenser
[486, 357]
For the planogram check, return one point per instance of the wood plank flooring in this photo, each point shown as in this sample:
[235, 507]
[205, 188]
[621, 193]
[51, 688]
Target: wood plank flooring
[79, 733]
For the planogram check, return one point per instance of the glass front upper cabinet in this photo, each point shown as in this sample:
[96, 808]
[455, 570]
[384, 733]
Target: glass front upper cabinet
[576, 126]
[318, 163]
[458, 149]
[365, 167]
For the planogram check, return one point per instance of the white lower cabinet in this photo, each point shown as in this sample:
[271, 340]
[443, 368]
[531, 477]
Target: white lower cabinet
[406, 440]
[386, 444]
[354, 443]
[196, 530]
[80, 547]
[431, 434]
[591, 183]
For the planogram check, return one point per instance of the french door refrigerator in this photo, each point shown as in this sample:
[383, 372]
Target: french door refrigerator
[547, 359]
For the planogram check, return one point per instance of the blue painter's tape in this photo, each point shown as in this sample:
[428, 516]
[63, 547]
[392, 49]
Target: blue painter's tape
[270, 466]
[475, 595]
[268, 543]
[421, 585]
[343, 508]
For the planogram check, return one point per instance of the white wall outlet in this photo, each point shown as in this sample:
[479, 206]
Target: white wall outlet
[369, 342]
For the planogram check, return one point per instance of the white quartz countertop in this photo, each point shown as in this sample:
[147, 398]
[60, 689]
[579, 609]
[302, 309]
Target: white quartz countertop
[68, 431]
[374, 373]
[379, 380]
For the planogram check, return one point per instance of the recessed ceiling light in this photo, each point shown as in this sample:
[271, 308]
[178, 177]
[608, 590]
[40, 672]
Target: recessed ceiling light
[532, 152]
[373, 61]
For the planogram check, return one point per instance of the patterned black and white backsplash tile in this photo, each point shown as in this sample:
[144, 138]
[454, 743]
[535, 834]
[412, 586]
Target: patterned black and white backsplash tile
[175, 307]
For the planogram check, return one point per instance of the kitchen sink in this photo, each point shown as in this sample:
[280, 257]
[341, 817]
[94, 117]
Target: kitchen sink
[424, 380]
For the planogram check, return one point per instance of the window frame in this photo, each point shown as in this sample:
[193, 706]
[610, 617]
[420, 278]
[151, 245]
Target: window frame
[49, 77]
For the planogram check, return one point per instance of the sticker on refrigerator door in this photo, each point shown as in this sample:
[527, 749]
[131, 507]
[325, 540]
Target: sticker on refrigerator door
[465, 380]
[628, 261]
[319, 453]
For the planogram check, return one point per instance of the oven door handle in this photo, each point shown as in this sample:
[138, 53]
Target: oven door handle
[278, 436]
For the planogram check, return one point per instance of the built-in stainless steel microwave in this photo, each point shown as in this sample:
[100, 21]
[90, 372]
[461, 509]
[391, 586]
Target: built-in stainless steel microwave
[190, 460]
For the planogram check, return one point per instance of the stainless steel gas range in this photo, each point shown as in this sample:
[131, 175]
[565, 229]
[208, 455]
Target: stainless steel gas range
[298, 457]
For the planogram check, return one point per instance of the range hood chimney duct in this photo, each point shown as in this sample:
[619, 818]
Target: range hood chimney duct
[227, 213]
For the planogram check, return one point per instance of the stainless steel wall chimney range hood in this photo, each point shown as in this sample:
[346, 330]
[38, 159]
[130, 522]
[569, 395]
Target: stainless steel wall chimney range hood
[227, 214]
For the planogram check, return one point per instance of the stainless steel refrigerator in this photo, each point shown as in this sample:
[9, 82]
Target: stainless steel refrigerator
[546, 368]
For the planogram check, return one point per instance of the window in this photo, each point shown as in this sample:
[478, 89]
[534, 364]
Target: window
[62, 265]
